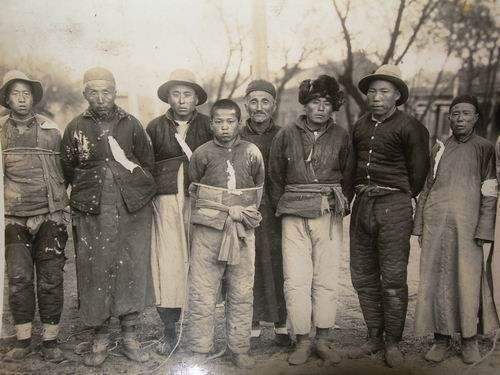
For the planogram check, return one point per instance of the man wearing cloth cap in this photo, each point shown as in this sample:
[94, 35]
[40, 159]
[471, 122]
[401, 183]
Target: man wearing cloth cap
[107, 158]
[310, 171]
[269, 300]
[34, 199]
[392, 160]
[455, 216]
[175, 135]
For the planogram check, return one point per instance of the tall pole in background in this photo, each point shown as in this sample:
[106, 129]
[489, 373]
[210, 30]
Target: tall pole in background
[259, 28]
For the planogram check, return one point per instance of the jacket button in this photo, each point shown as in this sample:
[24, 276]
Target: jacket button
[373, 137]
[367, 164]
[370, 151]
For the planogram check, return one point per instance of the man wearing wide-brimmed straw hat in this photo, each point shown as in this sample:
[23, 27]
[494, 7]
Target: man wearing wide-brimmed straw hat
[35, 232]
[107, 158]
[392, 160]
[175, 135]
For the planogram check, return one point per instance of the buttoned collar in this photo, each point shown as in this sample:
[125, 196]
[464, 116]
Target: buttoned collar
[236, 142]
[170, 116]
[116, 111]
[386, 117]
[301, 124]
[267, 129]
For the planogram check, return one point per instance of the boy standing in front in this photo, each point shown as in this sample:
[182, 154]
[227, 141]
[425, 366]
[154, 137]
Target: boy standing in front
[227, 176]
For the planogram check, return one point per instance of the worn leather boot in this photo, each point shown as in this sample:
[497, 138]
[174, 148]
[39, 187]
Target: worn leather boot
[243, 360]
[281, 336]
[326, 351]
[470, 350]
[51, 352]
[393, 356]
[302, 351]
[167, 343]
[373, 344]
[20, 351]
[437, 352]
[99, 351]
[132, 348]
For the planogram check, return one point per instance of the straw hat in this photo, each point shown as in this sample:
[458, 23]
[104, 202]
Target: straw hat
[389, 73]
[15, 75]
[182, 77]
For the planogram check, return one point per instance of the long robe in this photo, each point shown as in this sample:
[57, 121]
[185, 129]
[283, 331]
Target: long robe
[456, 207]
[269, 299]
[495, 261]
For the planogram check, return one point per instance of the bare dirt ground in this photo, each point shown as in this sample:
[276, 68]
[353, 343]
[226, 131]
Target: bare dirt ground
[270, 358]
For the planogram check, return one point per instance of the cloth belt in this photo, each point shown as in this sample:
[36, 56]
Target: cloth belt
[239, 219]
[29, 151]
[374, 190]
[340, 205]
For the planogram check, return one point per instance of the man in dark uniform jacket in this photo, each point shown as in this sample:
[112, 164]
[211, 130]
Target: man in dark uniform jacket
[392, 160]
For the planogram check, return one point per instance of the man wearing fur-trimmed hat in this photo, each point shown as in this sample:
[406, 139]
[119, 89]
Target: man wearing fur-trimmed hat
[310, 167]
[107, 158]
[174, 135]
[392, 160]
[35, 232]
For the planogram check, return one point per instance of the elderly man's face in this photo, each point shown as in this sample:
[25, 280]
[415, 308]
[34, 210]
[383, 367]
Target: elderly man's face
[101, 96]
[260, 106]
[382, 97]
[20, 98]
[318, 111]
[183, 101]
[463, 117]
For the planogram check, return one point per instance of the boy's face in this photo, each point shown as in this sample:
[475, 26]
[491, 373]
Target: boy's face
[20, 98]
[224, 125]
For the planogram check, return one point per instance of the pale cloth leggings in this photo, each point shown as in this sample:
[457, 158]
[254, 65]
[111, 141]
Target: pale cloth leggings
[311, 267]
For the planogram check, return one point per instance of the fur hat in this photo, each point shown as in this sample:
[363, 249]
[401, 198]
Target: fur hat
[322, 87]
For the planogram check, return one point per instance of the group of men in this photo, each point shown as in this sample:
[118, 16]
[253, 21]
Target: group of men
[165, 215]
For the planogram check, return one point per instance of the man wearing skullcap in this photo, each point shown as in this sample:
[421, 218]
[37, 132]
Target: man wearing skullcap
[107, 159]
[269, 300]
[174, 135]
[310, 166]
[392, 159]
[34, 200]
[455, 217]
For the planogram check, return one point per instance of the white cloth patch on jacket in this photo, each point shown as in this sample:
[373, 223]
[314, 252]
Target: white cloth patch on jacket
[437, 159]
[231, 178]
[489, 188]
[184, 145]
[119, 154]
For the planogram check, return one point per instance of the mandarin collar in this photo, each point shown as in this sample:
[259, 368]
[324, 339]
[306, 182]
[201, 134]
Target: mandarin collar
[393, 112]
[301, 123]
[236, 142]
[252, 130]
[170, 116]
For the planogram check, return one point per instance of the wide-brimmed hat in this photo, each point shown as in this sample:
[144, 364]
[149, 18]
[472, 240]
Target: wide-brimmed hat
[389, 73]
[15, 75]
[182, 77]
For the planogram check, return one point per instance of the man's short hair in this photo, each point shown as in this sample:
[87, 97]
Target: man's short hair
[225, 104]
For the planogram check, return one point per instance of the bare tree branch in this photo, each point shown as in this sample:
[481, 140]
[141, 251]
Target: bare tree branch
[429, 7]
[395, 33]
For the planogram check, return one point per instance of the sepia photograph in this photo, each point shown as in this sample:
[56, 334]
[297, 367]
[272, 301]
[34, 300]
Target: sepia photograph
[198, 187]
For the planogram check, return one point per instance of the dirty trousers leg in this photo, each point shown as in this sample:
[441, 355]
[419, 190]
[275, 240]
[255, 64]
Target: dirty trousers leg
[364, 262]
[19, 263]
[49, 245]
[239, 308]
[394, 215]
[297, 272]
[325, 257]
[205, 275]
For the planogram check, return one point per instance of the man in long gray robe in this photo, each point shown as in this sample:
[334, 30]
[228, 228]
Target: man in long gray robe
[454, 218]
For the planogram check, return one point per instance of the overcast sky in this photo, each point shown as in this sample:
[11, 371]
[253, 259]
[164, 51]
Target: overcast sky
[141, 41]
